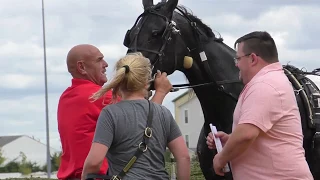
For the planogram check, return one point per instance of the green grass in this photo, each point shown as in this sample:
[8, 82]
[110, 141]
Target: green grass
[196, 173]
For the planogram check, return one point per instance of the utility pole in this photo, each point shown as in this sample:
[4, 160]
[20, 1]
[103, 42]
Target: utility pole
[46, 95]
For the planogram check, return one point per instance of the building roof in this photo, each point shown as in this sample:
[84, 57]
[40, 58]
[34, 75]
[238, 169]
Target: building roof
[181, 95]
[7, 139]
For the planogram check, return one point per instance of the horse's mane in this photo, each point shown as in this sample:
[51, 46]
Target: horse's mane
[208, 31]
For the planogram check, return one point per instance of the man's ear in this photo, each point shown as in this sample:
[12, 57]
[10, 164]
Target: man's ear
[81, 68]
[254, 58]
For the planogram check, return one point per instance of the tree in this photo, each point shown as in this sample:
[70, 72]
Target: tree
[10, 167]
[55, 162]
[24, 168]
[2, 159]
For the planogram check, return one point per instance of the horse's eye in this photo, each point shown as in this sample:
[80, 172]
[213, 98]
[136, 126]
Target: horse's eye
[155, 33]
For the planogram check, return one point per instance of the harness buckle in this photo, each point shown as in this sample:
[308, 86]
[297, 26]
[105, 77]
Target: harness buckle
[148, 132]
[173, 22]
[143, 149]
[115, 178]
[297, 92]
[221, 88]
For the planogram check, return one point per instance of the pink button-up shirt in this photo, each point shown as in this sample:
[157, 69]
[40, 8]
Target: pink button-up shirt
[268, 102]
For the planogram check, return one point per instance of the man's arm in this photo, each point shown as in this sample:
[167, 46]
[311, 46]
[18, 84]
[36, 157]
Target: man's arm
[259, 111]
[239, 141]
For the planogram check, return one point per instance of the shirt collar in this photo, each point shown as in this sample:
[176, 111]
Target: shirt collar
[271, 67]
[77, 81]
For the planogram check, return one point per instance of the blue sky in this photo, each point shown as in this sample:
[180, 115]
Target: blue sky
[103, 23]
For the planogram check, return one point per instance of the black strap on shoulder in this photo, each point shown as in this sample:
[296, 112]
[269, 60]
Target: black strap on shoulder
[142, 147]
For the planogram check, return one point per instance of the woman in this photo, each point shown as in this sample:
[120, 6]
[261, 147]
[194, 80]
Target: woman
[121, 126]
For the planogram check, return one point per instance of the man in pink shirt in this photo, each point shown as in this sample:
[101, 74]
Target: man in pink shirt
[266, 140]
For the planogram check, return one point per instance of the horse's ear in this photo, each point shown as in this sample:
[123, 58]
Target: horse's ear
[171, 5]
[147, 3]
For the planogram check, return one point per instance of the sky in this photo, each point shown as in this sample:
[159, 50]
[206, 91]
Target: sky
[103, 23]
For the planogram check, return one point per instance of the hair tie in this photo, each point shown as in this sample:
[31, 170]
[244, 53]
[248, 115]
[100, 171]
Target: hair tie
[127, 68]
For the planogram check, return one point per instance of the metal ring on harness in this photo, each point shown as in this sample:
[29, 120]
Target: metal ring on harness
[298, 91]
[115, 178]
[143, 149]
[148, 132]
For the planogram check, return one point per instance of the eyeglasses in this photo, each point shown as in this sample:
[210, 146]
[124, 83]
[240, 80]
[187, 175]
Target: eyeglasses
[237, 59]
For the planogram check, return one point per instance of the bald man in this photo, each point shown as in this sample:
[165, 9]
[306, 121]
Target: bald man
[77, 115]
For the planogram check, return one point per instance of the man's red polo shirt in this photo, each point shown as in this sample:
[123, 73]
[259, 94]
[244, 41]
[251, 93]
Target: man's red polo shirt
[77, 118]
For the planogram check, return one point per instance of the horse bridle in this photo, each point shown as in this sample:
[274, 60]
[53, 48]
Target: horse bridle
[166, 36]
[171, 27]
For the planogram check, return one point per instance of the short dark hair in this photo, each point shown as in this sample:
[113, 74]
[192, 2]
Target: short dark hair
[260, 43]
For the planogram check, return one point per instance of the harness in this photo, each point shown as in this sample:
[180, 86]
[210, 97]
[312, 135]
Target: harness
[172, 29]
[308, 91]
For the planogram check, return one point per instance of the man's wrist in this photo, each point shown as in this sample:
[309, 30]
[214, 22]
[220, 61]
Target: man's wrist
[223, 157]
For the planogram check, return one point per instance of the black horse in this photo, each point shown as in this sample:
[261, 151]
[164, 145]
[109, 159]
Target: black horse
[166, 34]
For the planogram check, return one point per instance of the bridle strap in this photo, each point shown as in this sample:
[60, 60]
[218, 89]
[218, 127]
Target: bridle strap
[209, 83]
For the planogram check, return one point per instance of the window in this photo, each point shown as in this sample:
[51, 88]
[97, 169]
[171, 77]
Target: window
[186, 119]
[187, 140]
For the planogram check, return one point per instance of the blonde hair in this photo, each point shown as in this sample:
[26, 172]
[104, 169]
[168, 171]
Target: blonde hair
[132, 78]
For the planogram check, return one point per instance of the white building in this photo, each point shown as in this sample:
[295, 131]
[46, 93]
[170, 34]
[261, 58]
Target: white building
[35, 151]
[189, 117]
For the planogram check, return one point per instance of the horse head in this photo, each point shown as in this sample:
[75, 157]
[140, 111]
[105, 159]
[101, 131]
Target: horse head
[176, 40]
[158, 37]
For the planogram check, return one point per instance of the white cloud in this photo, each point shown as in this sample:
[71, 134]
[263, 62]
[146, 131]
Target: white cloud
[20, 123]
[26, 50]
[113, 51]
[16, 81]
[281, 18]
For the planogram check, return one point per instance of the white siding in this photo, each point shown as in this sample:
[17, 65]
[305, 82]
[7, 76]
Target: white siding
[195, 121]
[35, 151]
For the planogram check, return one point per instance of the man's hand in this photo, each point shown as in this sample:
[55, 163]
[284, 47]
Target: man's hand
[218, 164]
[223, 138]
[162, 83]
